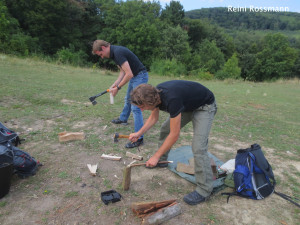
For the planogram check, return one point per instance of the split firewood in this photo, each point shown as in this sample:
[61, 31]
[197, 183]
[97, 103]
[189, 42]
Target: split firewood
[93, 169]
[141, 209]
[162, 215]
[134, 156]
[70, 136]
[185, 168]
[190, 169]
[111, 157]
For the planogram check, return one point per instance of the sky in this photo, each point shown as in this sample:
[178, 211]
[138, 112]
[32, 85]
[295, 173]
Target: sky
[293, 5]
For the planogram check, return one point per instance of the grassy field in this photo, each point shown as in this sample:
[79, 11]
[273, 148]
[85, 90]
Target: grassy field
[39, 100]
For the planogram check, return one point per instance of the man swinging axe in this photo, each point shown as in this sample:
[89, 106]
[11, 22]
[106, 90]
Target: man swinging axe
[185, 101]
[133, 72]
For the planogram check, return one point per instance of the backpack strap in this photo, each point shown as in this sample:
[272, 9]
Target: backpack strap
[229, 195]
[288, 198]
[237, 194]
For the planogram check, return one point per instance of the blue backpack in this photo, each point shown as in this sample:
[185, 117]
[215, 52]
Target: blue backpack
[253, 176]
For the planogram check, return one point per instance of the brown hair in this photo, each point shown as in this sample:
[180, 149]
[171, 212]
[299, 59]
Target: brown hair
[145, 94]
[98, 44]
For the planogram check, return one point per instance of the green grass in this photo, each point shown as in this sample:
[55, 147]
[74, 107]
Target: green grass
[267, 113]
[34, 94]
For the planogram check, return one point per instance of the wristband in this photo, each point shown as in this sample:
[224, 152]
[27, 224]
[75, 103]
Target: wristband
[118, 87]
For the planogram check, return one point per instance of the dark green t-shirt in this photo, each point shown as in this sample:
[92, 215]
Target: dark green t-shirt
[122, 54]
[183, 96]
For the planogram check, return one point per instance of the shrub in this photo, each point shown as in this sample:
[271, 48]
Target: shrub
[230, 69]
[70, 56]
[168, 67]
[202, 74]
[20, 44]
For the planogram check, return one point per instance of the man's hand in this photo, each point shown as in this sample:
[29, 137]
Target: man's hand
[152, 162]
[113, 91]
[133, 137]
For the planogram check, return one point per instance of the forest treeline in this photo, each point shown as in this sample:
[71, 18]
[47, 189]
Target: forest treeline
[247, 19]
[166, 39]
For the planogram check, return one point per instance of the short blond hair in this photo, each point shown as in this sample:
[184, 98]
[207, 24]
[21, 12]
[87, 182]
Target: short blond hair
[98, 44]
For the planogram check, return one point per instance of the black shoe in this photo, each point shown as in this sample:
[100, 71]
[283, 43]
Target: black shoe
[134, 144]
[194, 198]
[118, 121]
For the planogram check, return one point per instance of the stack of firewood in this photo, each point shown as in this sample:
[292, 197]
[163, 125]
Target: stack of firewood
[156, 212]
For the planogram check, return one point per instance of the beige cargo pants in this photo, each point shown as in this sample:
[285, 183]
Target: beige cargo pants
[202, 119]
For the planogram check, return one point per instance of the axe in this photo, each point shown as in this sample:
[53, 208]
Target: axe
[117, 136]
[92, 99]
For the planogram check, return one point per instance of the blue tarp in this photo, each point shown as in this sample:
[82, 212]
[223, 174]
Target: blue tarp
[183, 154]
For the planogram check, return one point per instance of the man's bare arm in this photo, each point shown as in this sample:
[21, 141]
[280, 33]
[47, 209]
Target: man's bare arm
[175, 125]
[153, 118]
[126, 77]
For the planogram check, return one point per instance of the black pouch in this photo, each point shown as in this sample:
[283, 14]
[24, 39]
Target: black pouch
[110, 196]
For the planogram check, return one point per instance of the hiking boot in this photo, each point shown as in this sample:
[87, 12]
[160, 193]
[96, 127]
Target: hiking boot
[194, 198]
[134, 144]
[118, 121]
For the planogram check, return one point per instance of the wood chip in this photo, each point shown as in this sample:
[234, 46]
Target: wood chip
[111, 157]
[134, 156]
[93, 169]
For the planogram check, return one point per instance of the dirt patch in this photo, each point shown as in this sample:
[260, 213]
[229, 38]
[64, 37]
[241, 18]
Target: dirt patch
[72, 102]
[64, 192]
[257, 106]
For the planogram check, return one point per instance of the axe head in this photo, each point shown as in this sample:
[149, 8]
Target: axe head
[116, 137]
[92, 99]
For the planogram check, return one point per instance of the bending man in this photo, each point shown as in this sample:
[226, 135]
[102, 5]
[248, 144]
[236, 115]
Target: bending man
[185, 101]
[132, 71]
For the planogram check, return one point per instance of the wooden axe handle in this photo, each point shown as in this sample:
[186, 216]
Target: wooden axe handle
[142, 164]
[123, 136]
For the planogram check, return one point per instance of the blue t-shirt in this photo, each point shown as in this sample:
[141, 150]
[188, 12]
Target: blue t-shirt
[122, 54]
[183, 96]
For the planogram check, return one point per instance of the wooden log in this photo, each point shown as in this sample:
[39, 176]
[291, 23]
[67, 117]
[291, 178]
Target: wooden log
[126, 178]
[111, 157]
[142, 208]
[185, 168]
[127, 173]
[162, 215]
[70, 136]
[134, 156]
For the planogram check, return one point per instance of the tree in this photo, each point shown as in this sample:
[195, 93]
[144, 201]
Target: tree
[134, 24]
[173, 14]
[56, 23]
[12, 38]
[246, 44]
[197, 31]
[275, 60]
[210, 56]
[230, 69]
[4, 22]
[174, 44]
[223, 41]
